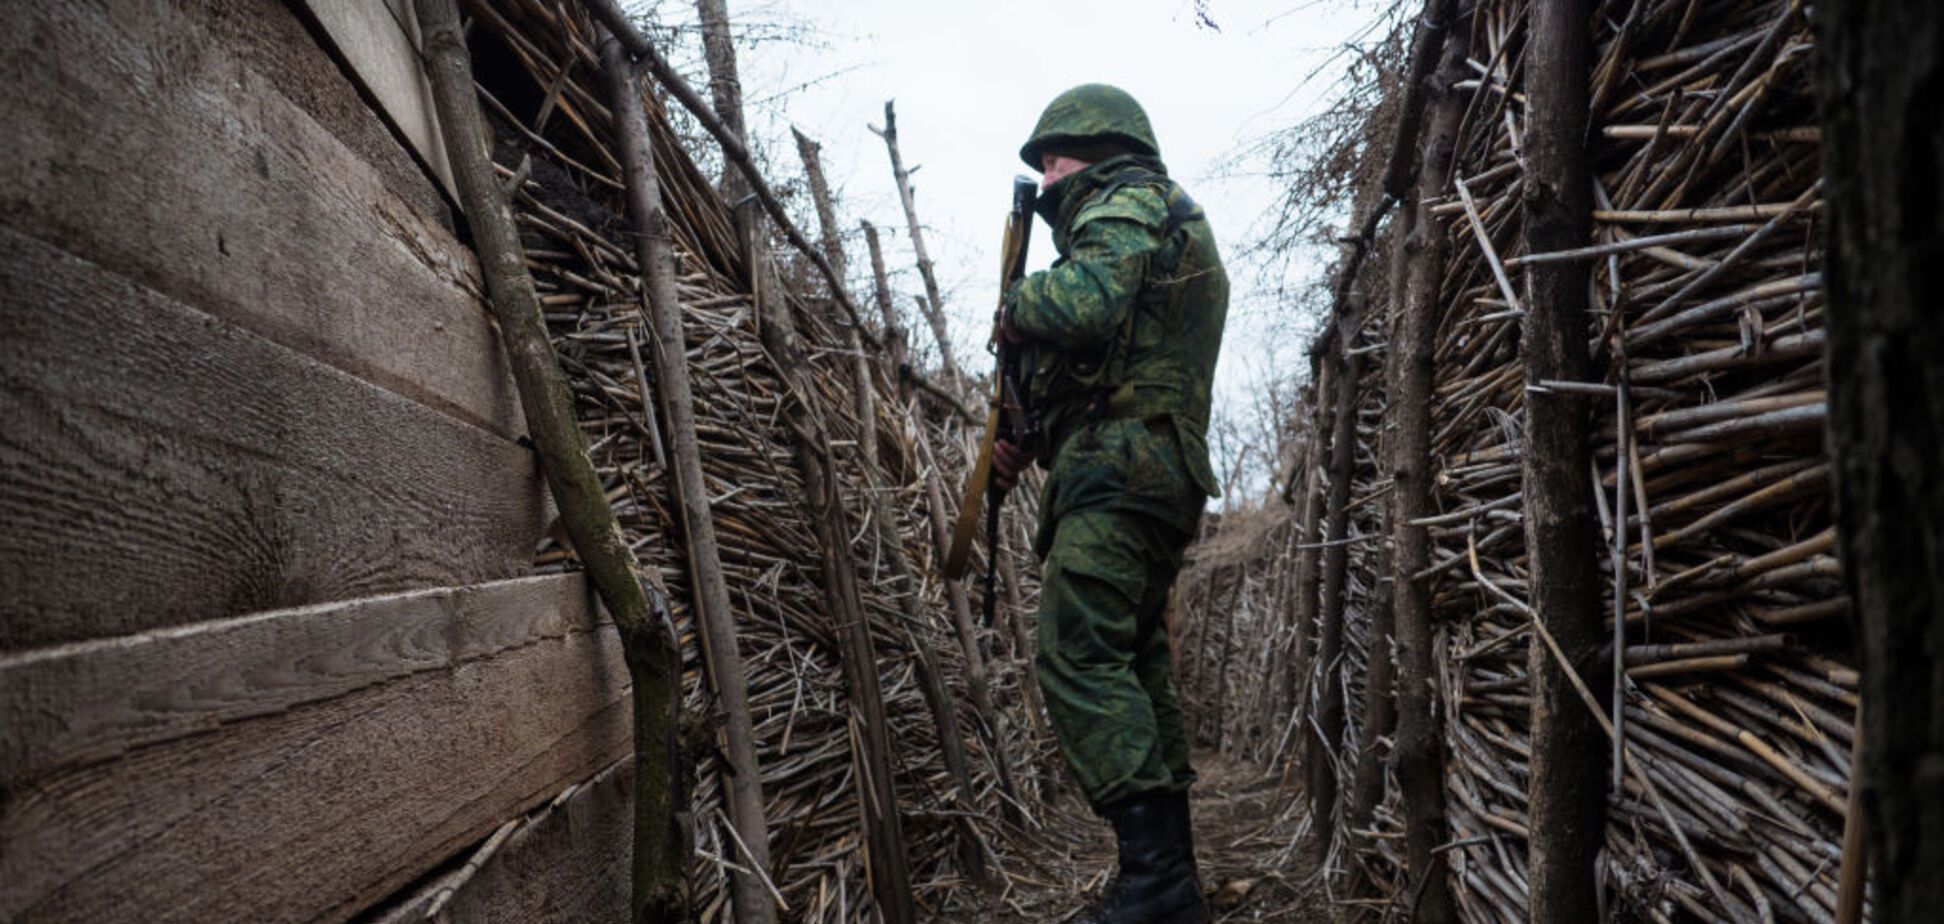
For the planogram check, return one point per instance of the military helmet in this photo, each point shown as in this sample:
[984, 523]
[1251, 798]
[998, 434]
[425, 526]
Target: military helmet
[1091, 114]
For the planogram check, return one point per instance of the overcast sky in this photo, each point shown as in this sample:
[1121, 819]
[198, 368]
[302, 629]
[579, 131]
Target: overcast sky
[970, 79]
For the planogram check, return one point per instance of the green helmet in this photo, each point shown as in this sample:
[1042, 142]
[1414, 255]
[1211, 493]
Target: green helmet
[1090, 114]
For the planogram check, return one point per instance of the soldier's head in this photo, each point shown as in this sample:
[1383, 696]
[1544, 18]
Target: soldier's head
[1085, 125]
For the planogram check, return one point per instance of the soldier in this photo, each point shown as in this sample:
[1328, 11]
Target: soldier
[1120, 338]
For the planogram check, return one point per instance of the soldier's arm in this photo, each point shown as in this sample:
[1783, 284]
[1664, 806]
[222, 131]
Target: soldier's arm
[1083, 302]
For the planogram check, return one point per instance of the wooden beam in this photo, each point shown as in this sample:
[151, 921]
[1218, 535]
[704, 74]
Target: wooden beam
[164, 466]
[395, 750]
[172, 162]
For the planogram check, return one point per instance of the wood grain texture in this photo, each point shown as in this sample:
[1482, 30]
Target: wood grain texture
[320, 810]
[160, 466]
[81, 703]
[380, 43]
[137, 140]
[566, 863]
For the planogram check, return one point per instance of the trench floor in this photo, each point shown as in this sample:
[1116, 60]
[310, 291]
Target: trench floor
[1246, 830]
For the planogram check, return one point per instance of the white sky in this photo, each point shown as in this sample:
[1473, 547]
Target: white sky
[970, 79]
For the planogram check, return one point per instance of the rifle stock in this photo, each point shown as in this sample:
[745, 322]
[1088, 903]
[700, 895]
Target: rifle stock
[1006, 416]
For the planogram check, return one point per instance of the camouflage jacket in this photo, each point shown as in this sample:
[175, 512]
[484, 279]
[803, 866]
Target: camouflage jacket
[1125, 327]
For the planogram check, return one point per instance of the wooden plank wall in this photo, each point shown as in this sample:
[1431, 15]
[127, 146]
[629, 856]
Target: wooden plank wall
[269, 649]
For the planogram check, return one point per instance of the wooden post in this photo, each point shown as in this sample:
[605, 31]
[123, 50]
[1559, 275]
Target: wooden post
[708, 588]
[1417, 755]
[896, 345]
[725, 90]
[833, 243]
[1884, 153]
[1380, 702]
[1568, 787]
[1328, 713]
[1309, 554]
[1400, 172]
[932, 306]
[654, 663]
[890, 872]
[1228, 651]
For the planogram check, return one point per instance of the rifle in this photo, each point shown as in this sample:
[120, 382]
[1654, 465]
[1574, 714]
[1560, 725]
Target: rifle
[1008, 417]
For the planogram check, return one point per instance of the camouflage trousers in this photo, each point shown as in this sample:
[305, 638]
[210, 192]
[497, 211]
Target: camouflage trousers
[1103, 652]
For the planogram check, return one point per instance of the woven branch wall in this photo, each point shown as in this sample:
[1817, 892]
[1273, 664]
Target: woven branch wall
[1707, 314]
[573, 221]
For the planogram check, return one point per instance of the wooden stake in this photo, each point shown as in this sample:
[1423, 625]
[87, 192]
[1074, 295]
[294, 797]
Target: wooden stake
[933, 305]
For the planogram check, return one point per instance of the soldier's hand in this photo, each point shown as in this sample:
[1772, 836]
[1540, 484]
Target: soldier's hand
[1007, 462]
[1007, 332]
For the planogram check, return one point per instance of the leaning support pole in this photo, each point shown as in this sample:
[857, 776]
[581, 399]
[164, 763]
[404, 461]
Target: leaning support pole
[1417, 755]
[648, 645]
[1568, 787]
[654, 253]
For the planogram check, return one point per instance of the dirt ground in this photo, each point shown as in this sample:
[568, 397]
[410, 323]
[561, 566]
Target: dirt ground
[1245, 835]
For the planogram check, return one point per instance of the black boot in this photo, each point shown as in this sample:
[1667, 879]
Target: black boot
[1156, 883]
[1185, 832]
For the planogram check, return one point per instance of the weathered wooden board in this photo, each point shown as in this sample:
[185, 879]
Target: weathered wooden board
[136, 140]
[380, 42]
[79, 703]
[567, 863]
[279, 41]
[320, 810]
[159, 466]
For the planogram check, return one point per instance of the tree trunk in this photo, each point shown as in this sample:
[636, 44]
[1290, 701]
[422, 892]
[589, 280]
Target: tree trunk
[933, 305]
[654, 664]
[1568, 788]
[1418, 750]
[1883, 119]
[890, 875]
[896, 343]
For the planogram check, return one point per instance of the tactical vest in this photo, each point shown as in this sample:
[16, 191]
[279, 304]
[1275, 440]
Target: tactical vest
[1161, 363]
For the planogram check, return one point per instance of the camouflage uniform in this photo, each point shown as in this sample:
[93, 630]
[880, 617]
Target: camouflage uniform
[1123, 334]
